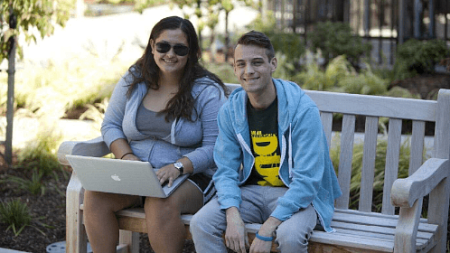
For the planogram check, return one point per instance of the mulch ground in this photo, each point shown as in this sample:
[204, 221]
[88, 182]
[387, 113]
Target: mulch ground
[48, 212]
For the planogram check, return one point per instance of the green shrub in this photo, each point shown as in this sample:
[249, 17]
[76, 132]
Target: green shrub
[312, 78]
[340, 76]
[34, 185]
[285, 68]
[15, 214]
[96, 113]
[418, 57]
[334, 39]
[400, 92]
[366, 83]
[40, 153]
[223, 70]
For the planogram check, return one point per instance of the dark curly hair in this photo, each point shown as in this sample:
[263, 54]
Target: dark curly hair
[145, 69]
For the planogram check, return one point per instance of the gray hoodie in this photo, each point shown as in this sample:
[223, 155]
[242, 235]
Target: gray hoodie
[194, 140]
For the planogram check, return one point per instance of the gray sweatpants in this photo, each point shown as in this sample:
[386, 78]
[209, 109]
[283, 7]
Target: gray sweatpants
[258, 202]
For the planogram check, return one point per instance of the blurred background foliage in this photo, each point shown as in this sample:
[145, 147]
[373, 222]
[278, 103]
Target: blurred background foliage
[29, 16]
[416, 57]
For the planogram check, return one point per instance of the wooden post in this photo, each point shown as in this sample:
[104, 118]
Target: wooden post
[10, 98]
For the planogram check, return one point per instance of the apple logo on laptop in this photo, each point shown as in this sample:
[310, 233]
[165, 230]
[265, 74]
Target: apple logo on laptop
[115, 177]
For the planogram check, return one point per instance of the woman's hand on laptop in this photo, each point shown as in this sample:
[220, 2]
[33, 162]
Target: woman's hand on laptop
[131, 157]
[168, 172]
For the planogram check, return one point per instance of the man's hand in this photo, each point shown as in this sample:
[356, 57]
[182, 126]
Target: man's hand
[266, 230]
[235, 236]
[260, 246]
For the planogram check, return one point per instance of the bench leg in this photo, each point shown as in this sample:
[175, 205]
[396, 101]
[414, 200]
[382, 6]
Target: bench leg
[130, 240]
[406, 230]
[438, 213]
[76, 237]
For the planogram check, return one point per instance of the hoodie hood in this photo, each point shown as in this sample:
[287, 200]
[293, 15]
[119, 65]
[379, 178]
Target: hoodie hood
[290, 99]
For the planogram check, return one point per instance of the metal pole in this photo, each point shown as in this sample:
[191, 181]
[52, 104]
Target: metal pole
[446, 21]
[431, 16]
[294, 15]
[401, 24]
[283, 23]
[391, 58]
[358, 15]
[306, 4]
[10, 98]
[417, 20]
[366, 17]
[380, 27]
[346, 12]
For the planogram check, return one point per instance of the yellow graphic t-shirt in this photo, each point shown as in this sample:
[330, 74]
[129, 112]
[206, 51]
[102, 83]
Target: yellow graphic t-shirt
[263, 126]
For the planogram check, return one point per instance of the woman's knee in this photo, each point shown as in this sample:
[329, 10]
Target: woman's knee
[101, 202]
[95, 202]
[160, 209]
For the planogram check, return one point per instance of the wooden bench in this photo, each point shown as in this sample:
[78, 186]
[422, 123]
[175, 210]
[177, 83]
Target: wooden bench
[399, 227]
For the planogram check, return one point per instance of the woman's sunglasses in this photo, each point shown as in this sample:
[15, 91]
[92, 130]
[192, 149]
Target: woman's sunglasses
[164, 47]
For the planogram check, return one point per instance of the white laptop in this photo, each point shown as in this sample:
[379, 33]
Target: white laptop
[120, 176]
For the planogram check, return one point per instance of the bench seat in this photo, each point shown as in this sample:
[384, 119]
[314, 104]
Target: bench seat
[355, 229]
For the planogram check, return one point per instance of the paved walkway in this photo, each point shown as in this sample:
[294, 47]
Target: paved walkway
[25, 130]
[105, 35]
[10, 251]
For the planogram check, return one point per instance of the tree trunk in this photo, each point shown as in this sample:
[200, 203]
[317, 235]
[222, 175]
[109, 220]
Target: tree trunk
[227, 36]
[10, 98]
[199, 6]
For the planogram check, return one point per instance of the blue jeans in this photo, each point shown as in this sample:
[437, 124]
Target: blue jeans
[258, 202]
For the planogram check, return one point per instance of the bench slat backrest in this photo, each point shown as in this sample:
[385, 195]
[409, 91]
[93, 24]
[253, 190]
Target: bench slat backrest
[373, 108]
[390, 107]
[417, 149]
[345, 160]
[369, 154]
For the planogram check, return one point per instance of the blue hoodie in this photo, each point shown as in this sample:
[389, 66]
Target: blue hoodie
[305, 165]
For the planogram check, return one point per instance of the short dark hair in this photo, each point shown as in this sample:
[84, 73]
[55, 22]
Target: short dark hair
[257, 39]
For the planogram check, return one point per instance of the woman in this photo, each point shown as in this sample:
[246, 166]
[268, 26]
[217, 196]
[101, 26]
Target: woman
[162, 111]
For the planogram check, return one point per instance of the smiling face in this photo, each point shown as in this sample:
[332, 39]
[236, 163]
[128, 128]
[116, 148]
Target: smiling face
[169, 62]
[253, 68]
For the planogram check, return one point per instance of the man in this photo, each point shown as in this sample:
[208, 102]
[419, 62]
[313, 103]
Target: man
[286, 182]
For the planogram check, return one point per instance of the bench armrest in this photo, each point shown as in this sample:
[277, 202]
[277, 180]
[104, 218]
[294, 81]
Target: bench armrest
[95, 147]
[406, 191]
